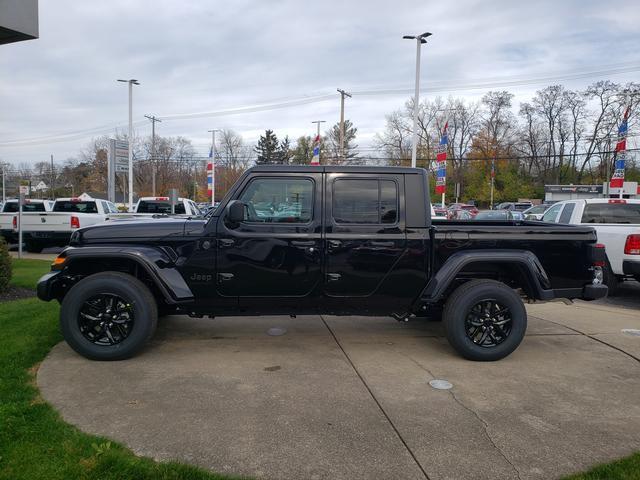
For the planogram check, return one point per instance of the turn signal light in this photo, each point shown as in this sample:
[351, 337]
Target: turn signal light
[58, 263]
[632, 245]
[600, 263]
[75, 222]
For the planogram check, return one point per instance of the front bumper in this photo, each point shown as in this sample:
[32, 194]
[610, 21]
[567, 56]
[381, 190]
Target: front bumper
[630, 267]
[47, 287]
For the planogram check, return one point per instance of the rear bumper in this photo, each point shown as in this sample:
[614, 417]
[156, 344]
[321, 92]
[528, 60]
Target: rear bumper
[50, 238]
[594, 292]
[588, 292]
[9, 235]
[630, 267]
[48, 286]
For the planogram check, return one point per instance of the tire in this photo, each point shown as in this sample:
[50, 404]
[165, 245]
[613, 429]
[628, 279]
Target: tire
[34, 247]
[462, 308]
[610, 280]
[136, 305]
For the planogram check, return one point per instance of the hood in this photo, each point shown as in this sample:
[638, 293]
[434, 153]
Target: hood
[124, 230]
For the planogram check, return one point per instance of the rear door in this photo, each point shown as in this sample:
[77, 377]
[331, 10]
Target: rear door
[365, 234]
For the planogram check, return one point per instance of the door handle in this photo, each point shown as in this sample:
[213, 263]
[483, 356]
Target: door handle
[333, 277]
[375, 243]
[303, 243]
[334, 244]
[226, 242]
[224, 277]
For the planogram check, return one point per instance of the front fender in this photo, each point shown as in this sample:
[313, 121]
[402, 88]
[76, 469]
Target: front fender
[156, 262]
[528, 263]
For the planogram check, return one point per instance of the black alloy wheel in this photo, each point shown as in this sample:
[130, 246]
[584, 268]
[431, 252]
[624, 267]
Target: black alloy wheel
[106, 319]
[488, 323]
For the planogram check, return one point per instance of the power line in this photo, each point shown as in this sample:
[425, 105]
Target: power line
[434, 87]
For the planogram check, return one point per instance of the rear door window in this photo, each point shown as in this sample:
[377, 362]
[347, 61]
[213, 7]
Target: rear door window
[365, 201]
[621, 213]
[567, 211]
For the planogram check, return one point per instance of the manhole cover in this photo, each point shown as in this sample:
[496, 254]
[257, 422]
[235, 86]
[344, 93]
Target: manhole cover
[440, 384]
[631, 331]
[276, 331]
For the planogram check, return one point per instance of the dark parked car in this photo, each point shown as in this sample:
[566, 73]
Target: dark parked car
[494, 215]
[322, 239]
[519, 206]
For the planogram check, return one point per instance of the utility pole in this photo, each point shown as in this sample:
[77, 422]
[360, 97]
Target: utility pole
[213, 164]
[316, 149]
[420, 39]
[342, 95]
[53, 179]
[4, 190]
[153, 119]
[131, 83]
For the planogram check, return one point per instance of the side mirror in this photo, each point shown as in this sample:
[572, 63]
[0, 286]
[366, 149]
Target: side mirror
[235, 211]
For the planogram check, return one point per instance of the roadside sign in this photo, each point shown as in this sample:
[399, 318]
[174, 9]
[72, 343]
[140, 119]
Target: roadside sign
[121, 156]
[24, 189]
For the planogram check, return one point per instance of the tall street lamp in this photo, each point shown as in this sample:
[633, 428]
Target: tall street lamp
[131, 83]
[420, 39]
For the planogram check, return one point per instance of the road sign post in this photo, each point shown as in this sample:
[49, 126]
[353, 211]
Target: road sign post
[118, 163]
[24, 190]
[173, 198]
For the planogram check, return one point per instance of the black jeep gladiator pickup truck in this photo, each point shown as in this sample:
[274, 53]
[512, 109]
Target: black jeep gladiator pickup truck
[319, 239]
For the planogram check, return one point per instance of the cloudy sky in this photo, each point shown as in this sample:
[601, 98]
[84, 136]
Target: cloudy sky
[198, 61]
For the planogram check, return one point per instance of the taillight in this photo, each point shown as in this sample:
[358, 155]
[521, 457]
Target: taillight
[632, 245]
[75, 222]
[599, 255]
[15, 223]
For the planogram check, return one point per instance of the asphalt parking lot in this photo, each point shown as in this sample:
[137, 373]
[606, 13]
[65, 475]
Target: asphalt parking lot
[349, 397]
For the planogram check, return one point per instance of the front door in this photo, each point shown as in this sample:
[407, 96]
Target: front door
[277, 250]
[365, 238]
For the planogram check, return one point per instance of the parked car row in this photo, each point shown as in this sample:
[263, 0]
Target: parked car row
[47, 223]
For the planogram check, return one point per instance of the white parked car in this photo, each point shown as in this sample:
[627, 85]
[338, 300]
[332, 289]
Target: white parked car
[162, 206]
[9, 211]
[536, 212]
[54, 228]
[617, 223]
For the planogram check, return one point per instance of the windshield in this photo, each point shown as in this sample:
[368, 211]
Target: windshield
[71, 206]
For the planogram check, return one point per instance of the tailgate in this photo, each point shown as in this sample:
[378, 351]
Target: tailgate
[46, 222]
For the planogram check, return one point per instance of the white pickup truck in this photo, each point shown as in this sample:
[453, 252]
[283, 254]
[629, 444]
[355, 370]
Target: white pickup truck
[617, 223]
[9, 215]
[54, 228]
[162, 206]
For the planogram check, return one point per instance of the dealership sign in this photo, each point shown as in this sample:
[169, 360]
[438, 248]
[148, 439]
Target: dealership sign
[573, 189]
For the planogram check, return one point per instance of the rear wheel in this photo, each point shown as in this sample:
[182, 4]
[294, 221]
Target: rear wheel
[108, 316]
[33, 246]
[484, 320]
[610, 280]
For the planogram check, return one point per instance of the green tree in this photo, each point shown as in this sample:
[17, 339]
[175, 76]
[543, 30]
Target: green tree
[285, 154]
[303, 152]
[333, 143]
[267, 149]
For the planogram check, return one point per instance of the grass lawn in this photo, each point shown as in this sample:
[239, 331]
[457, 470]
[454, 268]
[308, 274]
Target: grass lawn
[34, 441]
[36, 444]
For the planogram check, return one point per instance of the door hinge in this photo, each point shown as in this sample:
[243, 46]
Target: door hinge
[224, 277]
[333, 277]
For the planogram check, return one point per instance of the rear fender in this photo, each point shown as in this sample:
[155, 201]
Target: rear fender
[525, 261]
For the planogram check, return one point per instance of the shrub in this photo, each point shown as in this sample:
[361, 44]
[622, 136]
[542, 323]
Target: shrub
[5, 265]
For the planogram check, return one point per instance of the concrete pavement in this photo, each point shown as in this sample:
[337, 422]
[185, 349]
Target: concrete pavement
[349, 398]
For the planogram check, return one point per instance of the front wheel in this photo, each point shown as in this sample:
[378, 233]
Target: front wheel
[484, 320]
[108, 316]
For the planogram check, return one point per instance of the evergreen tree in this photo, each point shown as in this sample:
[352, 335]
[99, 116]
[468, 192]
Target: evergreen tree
[285, 153]
[267, 149]
[333, 141]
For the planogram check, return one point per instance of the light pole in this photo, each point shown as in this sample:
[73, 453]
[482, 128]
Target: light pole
[316, 149]
[420, 39]
[342, 95]
[131, 83]
[214, 151]
[4, 195]
[153, 120]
